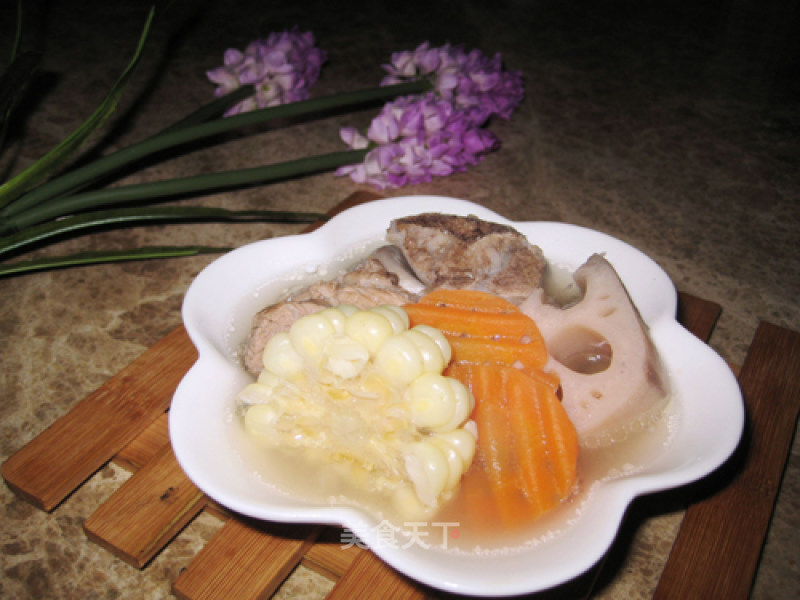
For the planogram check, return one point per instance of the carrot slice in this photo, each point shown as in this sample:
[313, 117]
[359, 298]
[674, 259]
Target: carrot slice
[459, 321]
[545, 441]
[527, 447]
[526, 458]
[469, 300]
[529, 355]
[497, 456]
[547, 378]
[502, 335]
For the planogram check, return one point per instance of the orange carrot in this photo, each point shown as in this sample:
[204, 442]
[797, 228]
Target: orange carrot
[545, 440]
[527, 447]
[563, 442]
[469, 300]
[526, 457]
[492, 331]
[497, 456]
[548, 378]
[459, 321]
[505, 352]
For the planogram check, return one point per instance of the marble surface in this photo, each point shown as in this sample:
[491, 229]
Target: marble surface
[674, 126]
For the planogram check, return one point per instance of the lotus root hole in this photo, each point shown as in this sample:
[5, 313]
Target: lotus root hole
[582, 350]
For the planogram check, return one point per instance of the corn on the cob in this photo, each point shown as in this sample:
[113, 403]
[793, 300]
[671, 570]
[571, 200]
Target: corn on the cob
[364, 389]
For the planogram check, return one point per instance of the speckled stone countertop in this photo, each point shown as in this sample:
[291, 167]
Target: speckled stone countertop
[674, 126]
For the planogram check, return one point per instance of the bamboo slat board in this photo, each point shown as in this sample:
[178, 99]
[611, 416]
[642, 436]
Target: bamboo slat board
[770, 382]
[125, 421]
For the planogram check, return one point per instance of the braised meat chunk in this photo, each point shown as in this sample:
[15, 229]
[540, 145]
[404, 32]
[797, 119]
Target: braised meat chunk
[423, 252]
[467, 252]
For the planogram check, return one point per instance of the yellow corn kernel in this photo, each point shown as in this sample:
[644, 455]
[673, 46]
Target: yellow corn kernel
[428, 470]
[255, 393]
[455, 464]
[369, 328]
[268, 379]
[344, 356]
[348, 309]
[464, 404]
[431, 401]
[432, 357]
[399, 360]
[463, 441]
[408, 504]
[260, 418]
[336, 316]
[280, 357]
[308, 335]
[395, 314]
[439, 339]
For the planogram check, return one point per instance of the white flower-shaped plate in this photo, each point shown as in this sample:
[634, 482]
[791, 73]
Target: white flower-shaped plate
[708, 408]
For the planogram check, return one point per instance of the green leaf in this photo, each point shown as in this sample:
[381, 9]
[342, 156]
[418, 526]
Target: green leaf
[148, 192]
[46, 165]
[69, 182]
[144, 216]
[93, 258]
[213, 109]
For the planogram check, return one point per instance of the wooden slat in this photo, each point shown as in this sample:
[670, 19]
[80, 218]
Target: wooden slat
[720, 540]
[370, 577]
[329, 556]
[244, 561]
[53, 464]
[136, 454]
[144, 514]
[697, 315]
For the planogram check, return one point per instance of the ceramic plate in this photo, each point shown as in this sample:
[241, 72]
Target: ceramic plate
[706, 413]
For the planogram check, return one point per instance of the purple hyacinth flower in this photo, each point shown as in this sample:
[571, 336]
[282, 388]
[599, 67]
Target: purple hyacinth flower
[281, 67]
[473, 81]
[414, 139]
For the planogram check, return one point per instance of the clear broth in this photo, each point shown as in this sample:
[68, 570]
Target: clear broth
[324, 483]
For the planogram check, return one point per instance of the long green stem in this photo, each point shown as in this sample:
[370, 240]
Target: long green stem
[94, 258]
[15, 190]
[78, 177]
[185, 185]
[46, 232]
[211, 110]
